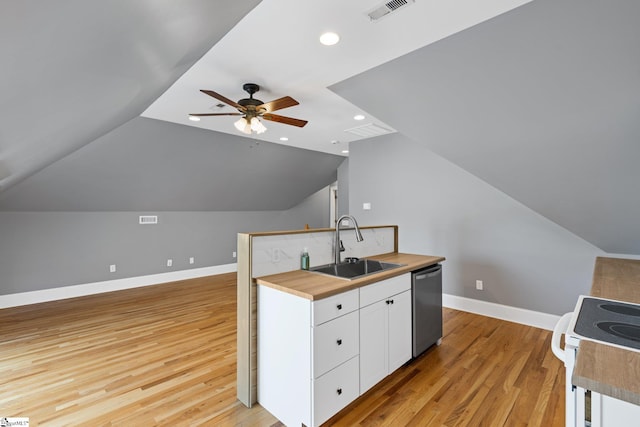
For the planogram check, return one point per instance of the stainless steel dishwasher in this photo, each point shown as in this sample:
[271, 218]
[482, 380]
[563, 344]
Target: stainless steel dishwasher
[426, 307]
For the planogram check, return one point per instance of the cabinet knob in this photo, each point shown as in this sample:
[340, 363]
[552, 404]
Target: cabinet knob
[389, 301]
[339, 341]
[339, 391]
[339, 306]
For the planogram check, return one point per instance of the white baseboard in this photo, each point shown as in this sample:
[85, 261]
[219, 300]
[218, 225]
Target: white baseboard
[499, 311]
[34, 297]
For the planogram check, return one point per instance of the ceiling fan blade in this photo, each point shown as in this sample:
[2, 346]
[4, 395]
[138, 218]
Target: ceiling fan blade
[219, 97]
[285, 120]
[278, 104]
[216, 114]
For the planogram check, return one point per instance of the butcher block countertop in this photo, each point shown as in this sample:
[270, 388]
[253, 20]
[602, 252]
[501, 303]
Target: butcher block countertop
[315, 286]
[602, 368]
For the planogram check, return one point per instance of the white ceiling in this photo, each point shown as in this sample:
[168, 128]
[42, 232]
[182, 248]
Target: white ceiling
[276, 46]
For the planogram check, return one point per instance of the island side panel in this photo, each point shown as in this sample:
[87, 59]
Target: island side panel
[284, 356]
[245, 385]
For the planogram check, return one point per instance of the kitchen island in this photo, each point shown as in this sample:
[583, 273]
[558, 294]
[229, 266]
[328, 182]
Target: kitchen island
[323, 341]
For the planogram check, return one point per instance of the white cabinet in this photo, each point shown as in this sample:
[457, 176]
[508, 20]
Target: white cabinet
[307, 355]
[313, 356]
[607, 411]
[385, 329]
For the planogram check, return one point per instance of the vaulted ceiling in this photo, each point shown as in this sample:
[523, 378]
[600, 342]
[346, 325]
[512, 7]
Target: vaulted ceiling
[74, 70]
[540, 101]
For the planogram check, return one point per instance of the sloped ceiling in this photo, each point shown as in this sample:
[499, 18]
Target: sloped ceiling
[151, 165]
[73, 70]
[541, 102]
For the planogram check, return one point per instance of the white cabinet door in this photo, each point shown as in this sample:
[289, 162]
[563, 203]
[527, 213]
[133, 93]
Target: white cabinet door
[399, 330]
[609, 412]
[373, 344]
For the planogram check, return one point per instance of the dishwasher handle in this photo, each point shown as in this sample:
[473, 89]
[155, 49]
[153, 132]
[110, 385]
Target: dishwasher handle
[429, 273]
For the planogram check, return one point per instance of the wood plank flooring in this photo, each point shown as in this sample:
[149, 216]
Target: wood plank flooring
[166, 355]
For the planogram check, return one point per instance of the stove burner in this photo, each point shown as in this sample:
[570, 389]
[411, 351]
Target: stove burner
[622, 330]
[621, 309]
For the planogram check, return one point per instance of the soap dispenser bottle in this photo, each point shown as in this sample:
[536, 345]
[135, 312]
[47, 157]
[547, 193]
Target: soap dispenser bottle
[304, 259]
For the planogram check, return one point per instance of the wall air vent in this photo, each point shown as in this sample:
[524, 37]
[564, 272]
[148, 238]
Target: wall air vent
[385, 9]
[148, 219]
[369, 130]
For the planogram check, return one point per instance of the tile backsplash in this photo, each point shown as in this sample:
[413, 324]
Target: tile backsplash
[280, 253]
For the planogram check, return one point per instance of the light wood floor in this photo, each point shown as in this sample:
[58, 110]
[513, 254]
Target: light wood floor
[165, 355]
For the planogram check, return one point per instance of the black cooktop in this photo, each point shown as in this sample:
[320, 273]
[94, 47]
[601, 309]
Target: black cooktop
[612, 322]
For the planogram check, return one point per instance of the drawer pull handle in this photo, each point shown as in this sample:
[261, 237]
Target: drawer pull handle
[339, 341]
[339, 306]
[339, 391]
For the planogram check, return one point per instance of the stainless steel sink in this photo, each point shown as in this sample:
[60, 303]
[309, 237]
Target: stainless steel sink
[354, 269]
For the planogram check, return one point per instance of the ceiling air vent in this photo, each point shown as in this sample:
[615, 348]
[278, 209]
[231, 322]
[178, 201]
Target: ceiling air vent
[148, 219]
[386, 8]
[369, 130]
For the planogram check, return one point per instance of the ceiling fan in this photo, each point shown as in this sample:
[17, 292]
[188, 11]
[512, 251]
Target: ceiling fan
[252, 109]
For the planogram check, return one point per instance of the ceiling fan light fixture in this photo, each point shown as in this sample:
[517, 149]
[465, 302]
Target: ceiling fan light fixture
[243, 125]
[257, 126]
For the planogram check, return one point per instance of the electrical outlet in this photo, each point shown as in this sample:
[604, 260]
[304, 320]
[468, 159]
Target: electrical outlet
[112, 268]
[192, 260]
[233, 254]
[169, 262]
[275, 255]
[479, 285]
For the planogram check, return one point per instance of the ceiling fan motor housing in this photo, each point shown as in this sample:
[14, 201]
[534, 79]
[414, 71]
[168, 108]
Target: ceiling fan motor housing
[251, 88]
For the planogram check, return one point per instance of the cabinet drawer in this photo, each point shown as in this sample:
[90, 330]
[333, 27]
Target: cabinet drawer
[329, 308]
[335, 342]
[381, 290]
[335, 390]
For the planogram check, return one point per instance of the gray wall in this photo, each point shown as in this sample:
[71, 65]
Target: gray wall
[343, 188]
[42, 250]
[313, 211]
[149, 164]
[524, 259]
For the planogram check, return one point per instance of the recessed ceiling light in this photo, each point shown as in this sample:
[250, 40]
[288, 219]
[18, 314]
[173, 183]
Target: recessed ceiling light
[358, 117]
[194, 118]
[329, 39]
[284, 138]
[345, 151]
